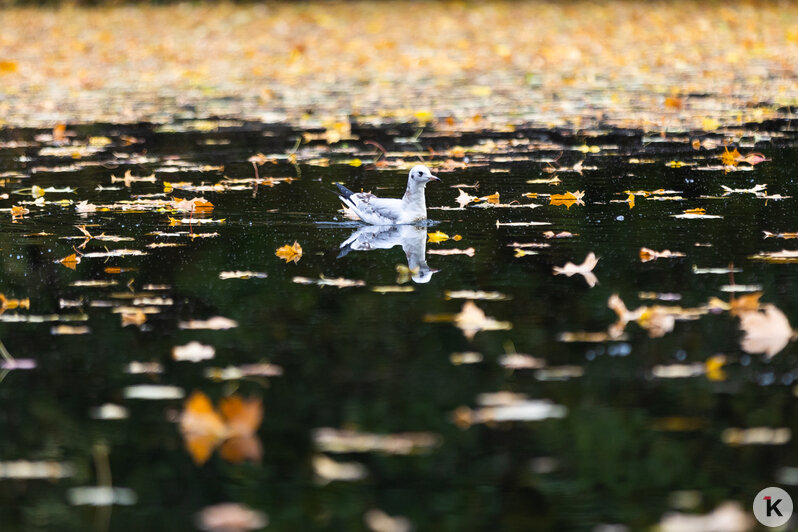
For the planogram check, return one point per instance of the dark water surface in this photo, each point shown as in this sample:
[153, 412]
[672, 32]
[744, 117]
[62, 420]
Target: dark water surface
[630, 445]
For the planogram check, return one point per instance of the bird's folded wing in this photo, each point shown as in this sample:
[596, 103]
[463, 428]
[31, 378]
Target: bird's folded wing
[382, 209]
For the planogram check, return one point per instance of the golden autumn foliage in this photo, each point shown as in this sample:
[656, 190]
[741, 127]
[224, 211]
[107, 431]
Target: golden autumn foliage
[232, 428]
[290, 253]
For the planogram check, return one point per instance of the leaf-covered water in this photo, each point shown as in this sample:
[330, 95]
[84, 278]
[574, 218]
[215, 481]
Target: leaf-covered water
[531, 424]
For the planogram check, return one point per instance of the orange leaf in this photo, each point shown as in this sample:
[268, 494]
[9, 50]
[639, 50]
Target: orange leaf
[290, 253]
[243, 417]
[730, 158]
[70, 261]
[238, 449]
[202, 428]
[672, 102]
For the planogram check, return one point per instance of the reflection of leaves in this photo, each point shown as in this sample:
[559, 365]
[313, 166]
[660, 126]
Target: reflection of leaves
[766, 332]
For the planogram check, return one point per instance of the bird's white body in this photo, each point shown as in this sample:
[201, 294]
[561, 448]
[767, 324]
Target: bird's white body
[411, 209]
[413, 240]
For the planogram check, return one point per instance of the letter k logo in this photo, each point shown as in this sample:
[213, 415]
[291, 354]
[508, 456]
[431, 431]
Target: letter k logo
[772, 506]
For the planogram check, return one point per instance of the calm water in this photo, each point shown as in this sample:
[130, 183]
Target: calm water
[631, 444]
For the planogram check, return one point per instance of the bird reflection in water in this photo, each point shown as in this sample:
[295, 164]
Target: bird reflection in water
[412, 238]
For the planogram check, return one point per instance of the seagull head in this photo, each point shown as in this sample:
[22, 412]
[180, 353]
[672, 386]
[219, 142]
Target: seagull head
[421, 175]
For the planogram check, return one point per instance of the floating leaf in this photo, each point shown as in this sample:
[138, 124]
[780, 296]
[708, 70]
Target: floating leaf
[472, 320]
[647, 254]
[568, 199]
[468, 251]
[585, 269]
[230, 517]
[193, 352]
[290, 253]
[765, 332]
[437, 236]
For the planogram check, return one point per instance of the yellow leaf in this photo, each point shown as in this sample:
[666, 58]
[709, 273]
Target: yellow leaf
[631, 201]
[730, 158]
[699, 211]
[202, 427]
[424, 116]
[709, 124]
[355, 163]
[437, 236]
[714, 368]
[18, 211]
[290, 253]
[99, 141]
[8, 67]
[492, 198]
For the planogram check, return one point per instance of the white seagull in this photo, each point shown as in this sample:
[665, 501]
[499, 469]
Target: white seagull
[412, 208]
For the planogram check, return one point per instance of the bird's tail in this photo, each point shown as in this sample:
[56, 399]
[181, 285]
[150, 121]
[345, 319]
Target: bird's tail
[345, 192]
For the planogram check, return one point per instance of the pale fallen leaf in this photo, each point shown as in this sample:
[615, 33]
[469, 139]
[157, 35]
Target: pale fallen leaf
[193, 352]
[464, 198]
[230, 517]
[647, 254]
[216, 323]
[328, 470]
[378, 521]
[472, 320]
[767, 331]
[728, 517]
[348, 441]
[585, 269]
[454, 251]
[340, 282]
[242, 275]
